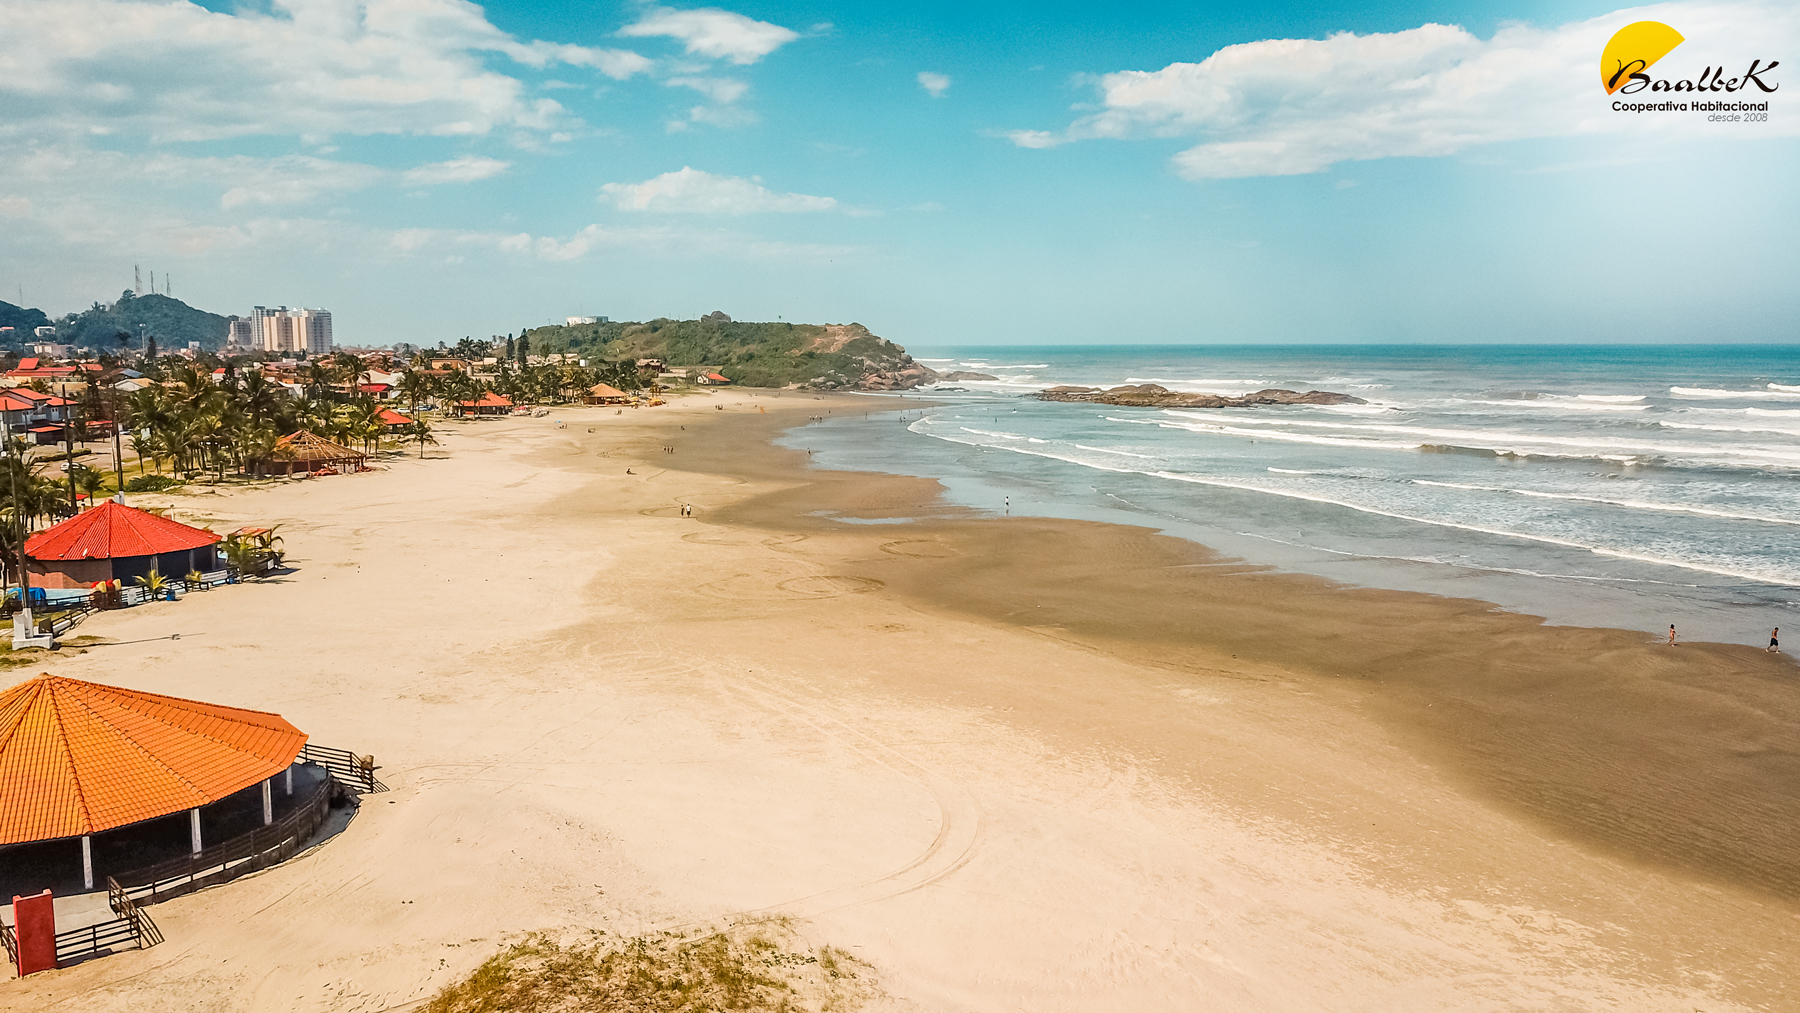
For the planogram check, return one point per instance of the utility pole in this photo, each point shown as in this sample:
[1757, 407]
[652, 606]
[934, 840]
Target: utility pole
[111, 399]
[25, 632]
[69, 444]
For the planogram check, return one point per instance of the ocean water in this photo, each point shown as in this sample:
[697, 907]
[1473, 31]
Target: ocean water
[1619, 486]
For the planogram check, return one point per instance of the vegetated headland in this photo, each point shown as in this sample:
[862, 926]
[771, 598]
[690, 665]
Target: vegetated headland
[779, 354]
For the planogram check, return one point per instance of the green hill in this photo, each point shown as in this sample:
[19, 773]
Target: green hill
[825, 356]
[170, 321]
[23, 321]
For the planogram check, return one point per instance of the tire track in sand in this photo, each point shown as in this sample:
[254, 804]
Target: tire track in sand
[959, 817]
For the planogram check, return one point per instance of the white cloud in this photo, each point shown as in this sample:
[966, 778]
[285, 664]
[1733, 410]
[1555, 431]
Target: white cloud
[936, 84]
[722, 90]
[617, 64]
[1036, 138]
[177, 71]
[595, 239]
[691, 191]
[714, 33]
[457, 170]
[15, 207]
[1290, 106]
[72, 183]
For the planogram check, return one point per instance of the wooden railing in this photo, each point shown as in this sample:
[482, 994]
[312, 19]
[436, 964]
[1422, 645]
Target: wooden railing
[94, 940]
[133, 925]
[62, 617]
[251, 852]
[141, 924]
[355, 772]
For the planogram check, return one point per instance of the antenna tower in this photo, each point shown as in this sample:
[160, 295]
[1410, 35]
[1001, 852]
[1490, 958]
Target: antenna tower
[137, 279]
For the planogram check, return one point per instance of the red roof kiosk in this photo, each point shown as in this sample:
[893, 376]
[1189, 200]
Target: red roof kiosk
[116, 542]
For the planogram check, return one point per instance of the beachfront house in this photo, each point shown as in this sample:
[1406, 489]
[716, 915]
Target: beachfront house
[710, 379]
[34, 412]
[489, 403]
[393, 422]
[117, 542]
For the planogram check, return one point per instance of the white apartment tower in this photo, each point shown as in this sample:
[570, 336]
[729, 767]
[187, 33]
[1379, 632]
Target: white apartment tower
[279, 329]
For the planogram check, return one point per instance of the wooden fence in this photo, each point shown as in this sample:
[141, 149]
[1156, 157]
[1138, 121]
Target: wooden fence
[133, 925]
[256, 850]
[354, 772]
[59, 618]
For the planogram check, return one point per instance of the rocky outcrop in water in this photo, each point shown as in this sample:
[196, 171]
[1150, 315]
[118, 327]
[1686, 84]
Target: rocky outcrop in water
[1151, 395]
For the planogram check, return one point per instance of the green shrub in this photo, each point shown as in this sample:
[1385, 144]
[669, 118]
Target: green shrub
[150, 483]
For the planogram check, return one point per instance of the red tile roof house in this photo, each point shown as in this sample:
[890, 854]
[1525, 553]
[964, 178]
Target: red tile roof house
[29, 411]
[34, 369]
[393, 421]
[116, 542]
[489, 403]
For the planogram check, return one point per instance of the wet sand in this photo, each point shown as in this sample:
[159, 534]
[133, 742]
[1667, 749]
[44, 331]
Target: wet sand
[1013, 763]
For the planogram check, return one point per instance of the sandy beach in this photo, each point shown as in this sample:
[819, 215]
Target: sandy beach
[1011, 763]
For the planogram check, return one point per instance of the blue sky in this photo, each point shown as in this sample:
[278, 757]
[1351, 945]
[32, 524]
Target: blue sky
[1019, 173]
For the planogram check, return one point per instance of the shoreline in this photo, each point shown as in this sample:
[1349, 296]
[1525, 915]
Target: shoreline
[991, 756]
[1372, 636]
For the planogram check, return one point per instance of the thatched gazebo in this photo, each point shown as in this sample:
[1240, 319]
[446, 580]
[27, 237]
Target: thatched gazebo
[306, 451]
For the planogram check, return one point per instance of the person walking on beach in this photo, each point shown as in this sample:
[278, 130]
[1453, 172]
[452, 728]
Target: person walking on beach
[1671, 634]
[1775, 640]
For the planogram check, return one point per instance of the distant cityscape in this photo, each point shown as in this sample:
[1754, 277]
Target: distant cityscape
[280, 329]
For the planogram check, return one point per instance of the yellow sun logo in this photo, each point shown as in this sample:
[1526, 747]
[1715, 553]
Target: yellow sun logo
[1633, 49]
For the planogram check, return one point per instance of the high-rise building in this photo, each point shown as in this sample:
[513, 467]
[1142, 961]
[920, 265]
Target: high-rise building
[240, 335]
[280, 329]
[314, 329]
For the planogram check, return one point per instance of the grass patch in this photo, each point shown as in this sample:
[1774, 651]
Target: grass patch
[754, 967]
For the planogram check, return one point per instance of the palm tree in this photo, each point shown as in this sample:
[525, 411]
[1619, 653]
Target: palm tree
[269, 544]
[240, 555]
[254, 440]
[317, 376]
[421, 430]
[157, 585]
[416, 386]
[261, 400]
[87, 480]
[353, 369]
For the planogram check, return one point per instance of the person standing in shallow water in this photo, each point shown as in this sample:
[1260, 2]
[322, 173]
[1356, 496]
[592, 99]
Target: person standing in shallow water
[1775, 640]
[1671, 634]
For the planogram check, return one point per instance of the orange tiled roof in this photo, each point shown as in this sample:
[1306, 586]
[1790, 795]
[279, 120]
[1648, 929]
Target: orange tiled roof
[112, 531]
[78, 757]
[488, 399]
